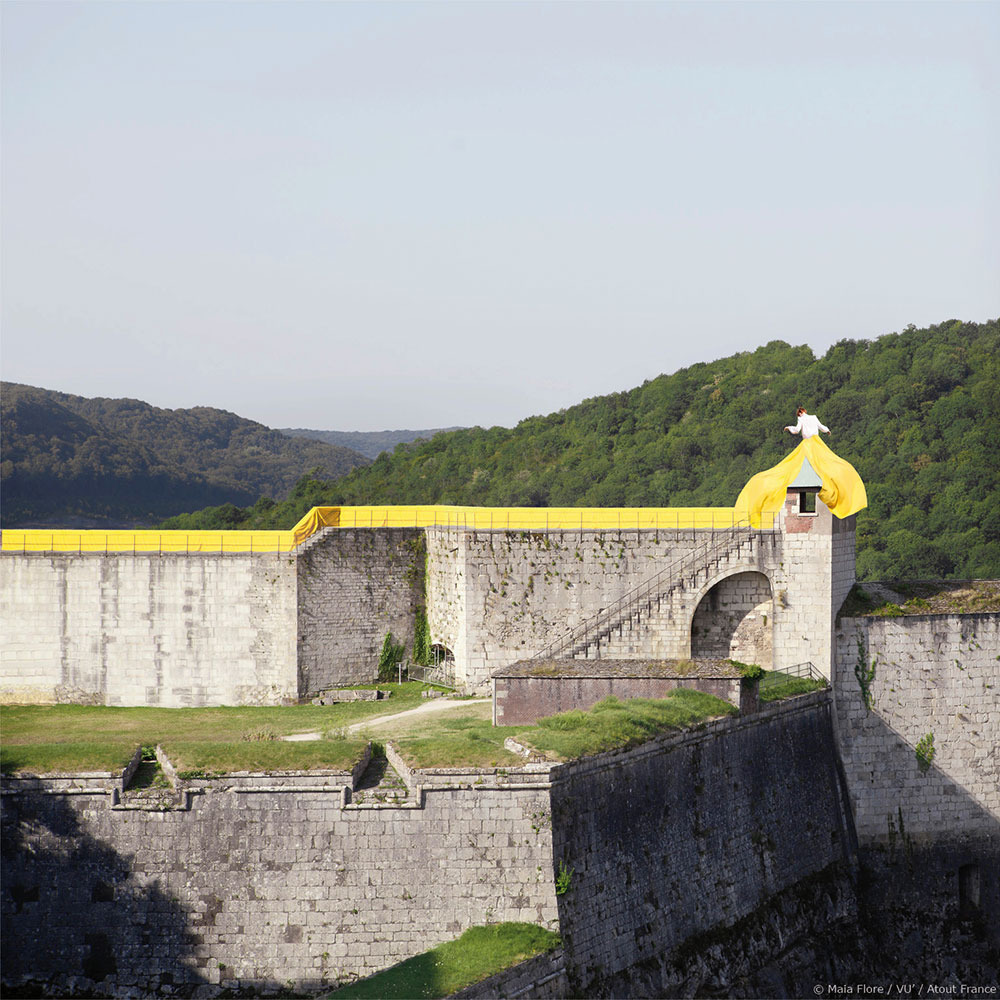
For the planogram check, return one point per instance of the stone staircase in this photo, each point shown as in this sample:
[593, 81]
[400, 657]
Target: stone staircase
[381, 783]
[313, 540]
[622, 631]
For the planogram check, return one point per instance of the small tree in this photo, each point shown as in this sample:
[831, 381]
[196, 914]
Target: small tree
[391, 655]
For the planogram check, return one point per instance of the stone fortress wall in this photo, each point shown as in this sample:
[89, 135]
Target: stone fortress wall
[936, 675]
[723, 854]
[178, 629]
[928, 825]
[688, 835]
[258, 882]
[498, 597]
[168, 629]
[354, 586]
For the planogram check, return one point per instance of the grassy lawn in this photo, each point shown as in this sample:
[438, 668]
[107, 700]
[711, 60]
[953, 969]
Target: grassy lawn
[479, 953]
[612, 723]
[45, 758]
[197, 758]
[775, 685]
[209, 741]
[468, 738]
[46, 738]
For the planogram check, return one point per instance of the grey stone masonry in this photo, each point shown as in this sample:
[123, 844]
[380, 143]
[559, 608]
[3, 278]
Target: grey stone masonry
[150, 629]
[498, 597]
[354, 586]
[732, 619]
[934, 676]
[212, 629]
[273, 881]
[255, 883]
[689, 835]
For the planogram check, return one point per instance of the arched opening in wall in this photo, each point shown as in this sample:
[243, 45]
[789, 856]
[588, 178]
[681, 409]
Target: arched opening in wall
[735, 620]
[442, 656]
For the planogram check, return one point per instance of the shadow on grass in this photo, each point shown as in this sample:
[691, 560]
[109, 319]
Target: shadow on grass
[479, 953]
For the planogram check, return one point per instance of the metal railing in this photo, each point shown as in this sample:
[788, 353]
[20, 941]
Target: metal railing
[143, 541]
[442, 675]
[479, 519]
[806, 669]
[600, 626]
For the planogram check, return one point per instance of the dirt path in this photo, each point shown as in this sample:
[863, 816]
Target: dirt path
[432, 705]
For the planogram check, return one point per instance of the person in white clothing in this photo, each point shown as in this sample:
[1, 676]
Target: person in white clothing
[808, 425]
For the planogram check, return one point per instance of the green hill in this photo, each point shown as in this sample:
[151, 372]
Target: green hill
[371, 444]
[917, 413]
[72, 460]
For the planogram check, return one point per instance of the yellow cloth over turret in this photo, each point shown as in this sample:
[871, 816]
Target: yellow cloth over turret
[843, 491]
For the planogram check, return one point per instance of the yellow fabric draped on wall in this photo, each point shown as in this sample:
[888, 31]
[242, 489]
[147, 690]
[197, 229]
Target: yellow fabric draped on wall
[843, 491]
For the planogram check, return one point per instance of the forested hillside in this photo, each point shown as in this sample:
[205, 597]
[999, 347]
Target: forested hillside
[918, 414]
[67, 459]
[371, 444]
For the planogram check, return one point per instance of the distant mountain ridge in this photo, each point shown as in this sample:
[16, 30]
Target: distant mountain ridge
[121, 462]
[371, 444]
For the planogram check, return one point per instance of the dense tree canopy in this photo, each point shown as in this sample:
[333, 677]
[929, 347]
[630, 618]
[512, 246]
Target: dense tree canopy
[917, 413]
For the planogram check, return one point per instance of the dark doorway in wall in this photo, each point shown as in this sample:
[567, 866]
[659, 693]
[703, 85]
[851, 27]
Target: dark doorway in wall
[968, 891]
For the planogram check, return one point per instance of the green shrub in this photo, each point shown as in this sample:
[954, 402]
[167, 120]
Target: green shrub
[925, 752]
[390, 656]
[749, 671]
[421, 639]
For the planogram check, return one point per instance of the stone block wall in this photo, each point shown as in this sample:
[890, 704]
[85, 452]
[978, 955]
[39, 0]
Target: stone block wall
[816, 575]
[149, 629]
[498, 597]
[934, 675]
[702, 861]
[685, 838]
[354, 586]
[933, 907]
[260, 883]
[202, 629]
[731, 622]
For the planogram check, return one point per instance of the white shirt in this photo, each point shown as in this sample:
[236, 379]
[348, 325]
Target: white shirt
[808, 425]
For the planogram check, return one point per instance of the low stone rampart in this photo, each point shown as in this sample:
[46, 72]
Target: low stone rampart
[259, 882]
[256, 881]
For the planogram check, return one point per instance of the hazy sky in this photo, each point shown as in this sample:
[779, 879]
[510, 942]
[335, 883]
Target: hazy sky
[359, 216]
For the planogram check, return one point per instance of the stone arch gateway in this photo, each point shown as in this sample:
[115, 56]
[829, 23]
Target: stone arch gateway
[735, 620]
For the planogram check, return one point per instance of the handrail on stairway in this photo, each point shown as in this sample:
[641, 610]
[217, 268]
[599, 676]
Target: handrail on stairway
[620, 610]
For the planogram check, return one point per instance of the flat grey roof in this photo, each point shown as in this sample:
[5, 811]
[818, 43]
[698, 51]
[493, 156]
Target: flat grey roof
[630, 669]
